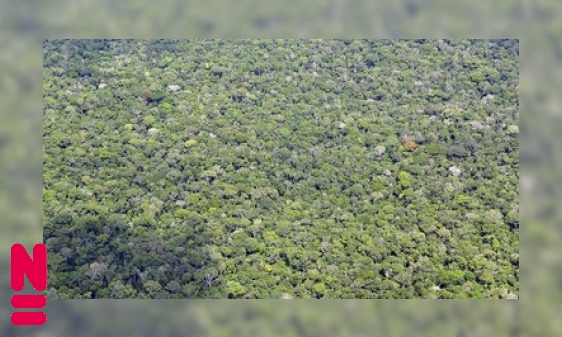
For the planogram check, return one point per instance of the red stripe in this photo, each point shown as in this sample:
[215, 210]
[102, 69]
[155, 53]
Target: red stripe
[28, 301]
[29, 318]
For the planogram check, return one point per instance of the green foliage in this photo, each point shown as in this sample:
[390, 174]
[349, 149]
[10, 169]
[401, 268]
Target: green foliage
[148, 120]
[283, 167]
[155, 96]
[235, 289]
[320, 289]
[432, 149]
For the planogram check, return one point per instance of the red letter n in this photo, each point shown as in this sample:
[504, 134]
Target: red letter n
[34, 268]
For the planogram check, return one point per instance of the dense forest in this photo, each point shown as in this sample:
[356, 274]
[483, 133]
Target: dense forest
[281, 168]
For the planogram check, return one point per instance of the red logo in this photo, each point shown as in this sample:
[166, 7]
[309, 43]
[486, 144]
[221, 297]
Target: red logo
[35, 268]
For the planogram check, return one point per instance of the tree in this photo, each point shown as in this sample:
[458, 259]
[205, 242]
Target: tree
[260, 168]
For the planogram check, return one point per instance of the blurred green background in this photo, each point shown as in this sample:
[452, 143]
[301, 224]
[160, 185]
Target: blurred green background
[23, 25]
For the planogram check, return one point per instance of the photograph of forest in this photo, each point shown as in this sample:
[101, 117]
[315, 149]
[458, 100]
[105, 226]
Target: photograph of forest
[281, 169]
